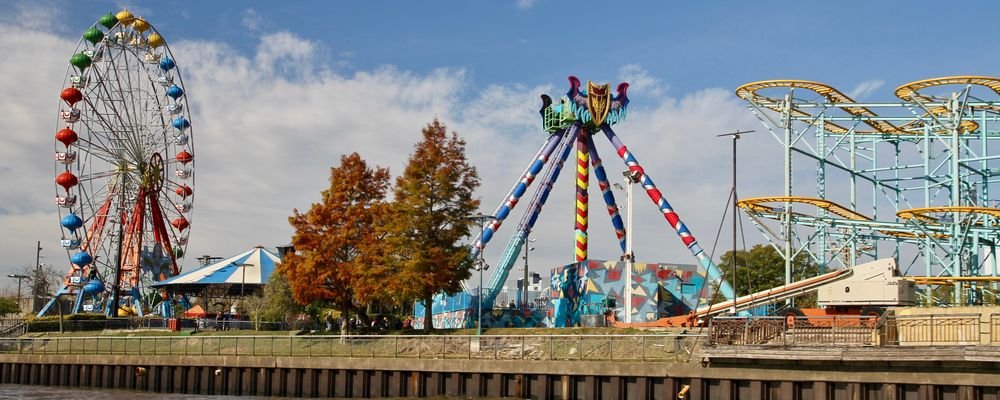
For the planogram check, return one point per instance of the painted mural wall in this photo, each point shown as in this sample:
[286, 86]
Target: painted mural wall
[579, 291]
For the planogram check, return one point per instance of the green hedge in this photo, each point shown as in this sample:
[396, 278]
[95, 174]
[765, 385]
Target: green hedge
[71, 322]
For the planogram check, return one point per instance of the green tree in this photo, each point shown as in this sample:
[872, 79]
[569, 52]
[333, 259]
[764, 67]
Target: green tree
[278, 302]
[763, 267]
[336, 259]
[8, 305]
[253, 306]
[432, 199]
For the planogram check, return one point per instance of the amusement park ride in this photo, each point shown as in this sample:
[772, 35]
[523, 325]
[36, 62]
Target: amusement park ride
[915, 181]
[911, 183]
[124, 168]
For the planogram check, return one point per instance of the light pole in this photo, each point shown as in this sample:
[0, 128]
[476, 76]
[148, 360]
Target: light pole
[735, 136]
[481, 266]
[19, 279]
[629, 257]
[243, 282]
[524, 284]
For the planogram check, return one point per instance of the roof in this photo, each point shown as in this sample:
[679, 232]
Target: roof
[253, 267]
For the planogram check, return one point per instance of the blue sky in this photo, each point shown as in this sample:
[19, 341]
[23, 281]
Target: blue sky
[690, 45]
[280, 89]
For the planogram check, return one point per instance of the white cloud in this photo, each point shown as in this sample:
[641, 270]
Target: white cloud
[866, 88]
[525, 4]
[640, 81]
[252, 20]
[269, 125]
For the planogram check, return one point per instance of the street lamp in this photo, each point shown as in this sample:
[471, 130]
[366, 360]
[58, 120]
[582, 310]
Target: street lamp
[481, 266]
[19, 279]
[524, 284]
[735, 136]
[243, 283]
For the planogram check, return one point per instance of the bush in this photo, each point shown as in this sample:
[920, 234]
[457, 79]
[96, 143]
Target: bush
[71, 322]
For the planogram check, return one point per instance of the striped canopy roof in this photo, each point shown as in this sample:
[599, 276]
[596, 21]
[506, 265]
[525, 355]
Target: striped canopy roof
[258, 264]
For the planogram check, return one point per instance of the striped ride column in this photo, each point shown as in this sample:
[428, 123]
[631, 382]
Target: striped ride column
[516, 192]
[609, 197]
[544, 196]
[582, 182]
[712, 271]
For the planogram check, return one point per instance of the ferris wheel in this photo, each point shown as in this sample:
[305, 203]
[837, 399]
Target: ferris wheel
[124, 167]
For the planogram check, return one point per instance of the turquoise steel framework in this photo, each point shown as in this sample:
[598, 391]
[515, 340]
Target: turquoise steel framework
[913, 178]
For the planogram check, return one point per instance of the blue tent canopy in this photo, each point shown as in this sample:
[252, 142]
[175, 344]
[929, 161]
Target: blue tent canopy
[251, 268]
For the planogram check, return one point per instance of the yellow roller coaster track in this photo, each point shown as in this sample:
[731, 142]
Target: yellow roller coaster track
[949, 280]
[925, 213]
[757, 204]
[906, 92]
[910, 90]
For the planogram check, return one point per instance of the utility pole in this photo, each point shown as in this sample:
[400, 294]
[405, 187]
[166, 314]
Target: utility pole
[734, 198]
[630, 179]
[38, 275]
[481, 266]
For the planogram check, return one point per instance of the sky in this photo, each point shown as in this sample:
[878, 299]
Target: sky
[280, 90]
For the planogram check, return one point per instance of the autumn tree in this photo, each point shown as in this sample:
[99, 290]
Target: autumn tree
[332, 261]
[432, 199]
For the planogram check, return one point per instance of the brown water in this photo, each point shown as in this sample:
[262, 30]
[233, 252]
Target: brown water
[61, 393]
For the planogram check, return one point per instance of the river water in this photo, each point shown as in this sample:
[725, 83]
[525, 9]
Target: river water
[61, 393]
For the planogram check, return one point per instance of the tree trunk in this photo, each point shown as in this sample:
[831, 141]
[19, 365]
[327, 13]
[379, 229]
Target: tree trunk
[345, 314]
[363, 317]
[428, 318]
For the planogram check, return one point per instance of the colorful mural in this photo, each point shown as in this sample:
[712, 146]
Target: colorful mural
[578, 294]
[459, 311]
[579, 291]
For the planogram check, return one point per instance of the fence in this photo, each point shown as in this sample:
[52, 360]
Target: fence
[527, 347]
[146, 324]
[834, 330]
[897, 330]
[929, 330]
[12, 327]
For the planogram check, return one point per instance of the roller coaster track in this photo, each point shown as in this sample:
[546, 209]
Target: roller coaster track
[950, 280]
[924, 214]
[908, 92]
[757, 205]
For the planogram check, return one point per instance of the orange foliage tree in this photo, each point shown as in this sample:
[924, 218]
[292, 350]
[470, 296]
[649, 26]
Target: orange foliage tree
[333, 259]
[428, 221]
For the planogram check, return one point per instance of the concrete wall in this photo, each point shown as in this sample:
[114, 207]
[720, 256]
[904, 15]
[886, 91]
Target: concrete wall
[366, 378]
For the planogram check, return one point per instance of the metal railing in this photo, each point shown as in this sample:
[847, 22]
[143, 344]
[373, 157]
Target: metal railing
[12, 327]
[893, 330]
[671, 348]
[932, 330]
[147, 323]
[994, 328]
[833, 330]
